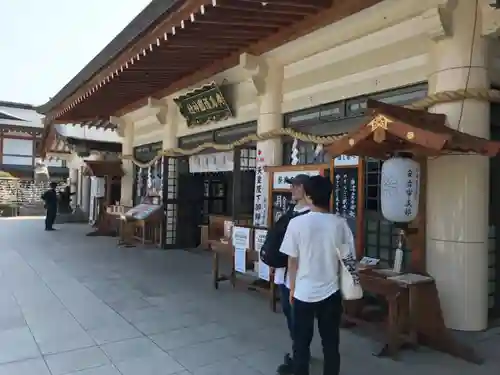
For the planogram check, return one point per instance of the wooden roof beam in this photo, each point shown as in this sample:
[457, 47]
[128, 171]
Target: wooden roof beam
[229, 9]
[230, 22]
[261, 17]
[120, 124]
[257, 8]
[218, 29]
[308, 4]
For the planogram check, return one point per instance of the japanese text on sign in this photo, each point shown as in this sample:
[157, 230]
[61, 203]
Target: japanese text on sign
[260, 193]
[281, 203]
[280, 177]
[346, 161]
[203, 105]
[345, 192]
[409, 193]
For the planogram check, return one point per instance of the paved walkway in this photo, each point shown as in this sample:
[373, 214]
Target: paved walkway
[71, 304]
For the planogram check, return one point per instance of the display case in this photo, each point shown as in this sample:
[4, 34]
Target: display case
[142, 223]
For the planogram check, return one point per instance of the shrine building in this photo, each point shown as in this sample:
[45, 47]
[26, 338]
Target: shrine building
[210, 97]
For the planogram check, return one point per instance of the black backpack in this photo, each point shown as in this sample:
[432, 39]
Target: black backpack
[270, 252]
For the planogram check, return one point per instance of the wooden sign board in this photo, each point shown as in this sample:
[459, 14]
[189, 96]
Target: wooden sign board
[348, 197]
[279, 193]
[203, 105]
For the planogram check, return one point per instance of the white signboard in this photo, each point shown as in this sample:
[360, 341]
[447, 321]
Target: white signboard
[260, 193]
[346, 161]
[240, 260]
[214, 162]
[241, 237]
[97, 187]
[280, 177]
[260, 237]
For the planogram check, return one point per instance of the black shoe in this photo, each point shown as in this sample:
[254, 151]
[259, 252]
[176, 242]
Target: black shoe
[286, 367]
[50, 229]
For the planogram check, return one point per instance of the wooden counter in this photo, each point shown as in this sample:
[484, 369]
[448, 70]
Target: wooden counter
[414, 314]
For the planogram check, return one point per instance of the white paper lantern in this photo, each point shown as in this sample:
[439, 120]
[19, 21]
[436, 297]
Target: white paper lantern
[400, 184]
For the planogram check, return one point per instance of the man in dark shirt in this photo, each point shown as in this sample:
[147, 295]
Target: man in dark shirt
[50, 199]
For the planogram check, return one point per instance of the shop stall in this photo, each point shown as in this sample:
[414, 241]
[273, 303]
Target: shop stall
[404, 139]
[105, 189]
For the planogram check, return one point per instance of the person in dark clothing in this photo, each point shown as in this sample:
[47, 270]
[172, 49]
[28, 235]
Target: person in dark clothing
[310, 242]
[65, 200]
[50, 199]
[280, 277]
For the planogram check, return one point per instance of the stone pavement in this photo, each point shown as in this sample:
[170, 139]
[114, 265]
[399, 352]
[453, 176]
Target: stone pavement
[71, 304]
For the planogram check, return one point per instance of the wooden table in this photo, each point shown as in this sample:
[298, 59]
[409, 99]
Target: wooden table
[222, 250]
[218, 249]
[414, 315]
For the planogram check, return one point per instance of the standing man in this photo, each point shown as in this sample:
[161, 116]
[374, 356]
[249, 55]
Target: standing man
[281, 278]
[310, 242]
[50, 199]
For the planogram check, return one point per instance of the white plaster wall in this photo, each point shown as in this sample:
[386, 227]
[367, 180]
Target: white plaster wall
[147, 130]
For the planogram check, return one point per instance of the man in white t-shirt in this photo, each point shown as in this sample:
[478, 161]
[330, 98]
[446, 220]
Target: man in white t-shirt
[280, 274]
[313, 268]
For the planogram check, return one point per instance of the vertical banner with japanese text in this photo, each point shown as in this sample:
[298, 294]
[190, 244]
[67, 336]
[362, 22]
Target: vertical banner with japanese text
[261, 187]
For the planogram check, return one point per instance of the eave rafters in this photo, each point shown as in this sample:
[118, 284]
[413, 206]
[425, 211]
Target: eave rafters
[192, 40]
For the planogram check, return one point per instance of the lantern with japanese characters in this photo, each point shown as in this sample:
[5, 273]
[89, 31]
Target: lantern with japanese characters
[400, 183]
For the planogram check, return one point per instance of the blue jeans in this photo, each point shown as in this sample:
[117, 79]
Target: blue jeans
[286, 307]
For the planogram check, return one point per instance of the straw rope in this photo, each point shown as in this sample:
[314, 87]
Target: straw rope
[486, 95]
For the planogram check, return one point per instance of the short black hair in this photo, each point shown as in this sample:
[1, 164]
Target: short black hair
[53, 185]
[319, 190]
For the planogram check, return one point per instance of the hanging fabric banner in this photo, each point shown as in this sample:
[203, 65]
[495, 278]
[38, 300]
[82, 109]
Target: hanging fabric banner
[260, 194]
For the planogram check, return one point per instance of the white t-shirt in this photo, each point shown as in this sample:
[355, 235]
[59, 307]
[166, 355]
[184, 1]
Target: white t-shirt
[313, 239]
[279, 273]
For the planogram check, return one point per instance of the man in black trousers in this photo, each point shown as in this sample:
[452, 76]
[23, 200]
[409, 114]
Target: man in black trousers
[50, 199]
[310, 242]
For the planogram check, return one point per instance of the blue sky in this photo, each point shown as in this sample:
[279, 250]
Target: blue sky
[45, 43]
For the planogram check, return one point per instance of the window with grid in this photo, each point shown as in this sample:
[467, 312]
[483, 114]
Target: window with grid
[170, 200]
[248, 157]
[141, 183]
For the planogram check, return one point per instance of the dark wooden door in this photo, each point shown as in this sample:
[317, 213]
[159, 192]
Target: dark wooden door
[190, 207]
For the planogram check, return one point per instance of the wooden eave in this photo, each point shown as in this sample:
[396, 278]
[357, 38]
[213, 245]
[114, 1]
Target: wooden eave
[59, 146]
[394, 129]
[49, 133]
[199, 40]
[95, 145]
[103, 168]
[19, 128]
